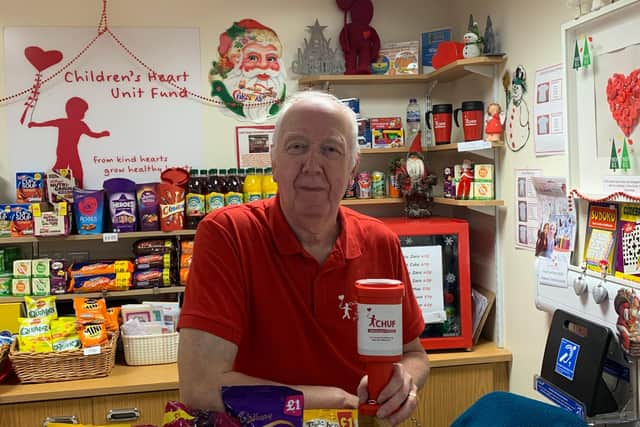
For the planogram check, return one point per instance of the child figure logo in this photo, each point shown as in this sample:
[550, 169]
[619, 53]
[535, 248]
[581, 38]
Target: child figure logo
[70, 129]
[345, 306]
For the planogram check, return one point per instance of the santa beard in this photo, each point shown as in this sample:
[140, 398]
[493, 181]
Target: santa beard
[415, 168]
[275, 82]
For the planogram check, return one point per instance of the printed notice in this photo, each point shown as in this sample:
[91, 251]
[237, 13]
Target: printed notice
[425, 269]
[527, 209]
[548, 111]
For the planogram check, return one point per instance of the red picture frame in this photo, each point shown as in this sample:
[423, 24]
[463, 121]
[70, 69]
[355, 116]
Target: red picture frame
[434, 226]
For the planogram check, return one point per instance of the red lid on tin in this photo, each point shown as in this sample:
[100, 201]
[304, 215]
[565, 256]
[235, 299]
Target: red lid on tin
[175, 176]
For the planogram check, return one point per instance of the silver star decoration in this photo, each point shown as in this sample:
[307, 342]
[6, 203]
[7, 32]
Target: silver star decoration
[448, 241]
[408, 240]
[451, 278]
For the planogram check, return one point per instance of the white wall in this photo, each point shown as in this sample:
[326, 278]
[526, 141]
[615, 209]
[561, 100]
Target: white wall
[529, 33]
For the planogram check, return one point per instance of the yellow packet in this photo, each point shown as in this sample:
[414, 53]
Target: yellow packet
[63, 327]
[66, 343]
[37, 344]
[34, 327]
[330, 418]
[44, 307]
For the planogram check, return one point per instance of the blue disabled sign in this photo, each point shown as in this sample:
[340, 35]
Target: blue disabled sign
[567, 358]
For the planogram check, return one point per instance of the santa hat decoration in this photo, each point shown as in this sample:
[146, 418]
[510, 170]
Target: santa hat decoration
[237, 36]
[415, 147]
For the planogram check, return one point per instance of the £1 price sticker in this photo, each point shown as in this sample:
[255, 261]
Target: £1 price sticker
[293, 405]
[109, 237]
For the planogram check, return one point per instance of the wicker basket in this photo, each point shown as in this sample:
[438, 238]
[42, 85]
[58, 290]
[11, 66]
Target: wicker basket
[150, 349]
[63, 365]
[4, 352]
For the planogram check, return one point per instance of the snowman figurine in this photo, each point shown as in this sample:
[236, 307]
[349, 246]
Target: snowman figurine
[471, 45]
[517, 129]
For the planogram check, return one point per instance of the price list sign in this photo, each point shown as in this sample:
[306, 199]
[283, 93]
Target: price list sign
[425, 269]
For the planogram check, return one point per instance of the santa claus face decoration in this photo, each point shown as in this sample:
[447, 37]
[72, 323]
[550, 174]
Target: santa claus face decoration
[249, 77]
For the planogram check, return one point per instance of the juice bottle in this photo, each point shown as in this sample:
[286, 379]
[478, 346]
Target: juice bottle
[269, 186]
[222, 177]
[234, 193]
[214, 198]
[194, 201]
[242, 175]
[252, 186]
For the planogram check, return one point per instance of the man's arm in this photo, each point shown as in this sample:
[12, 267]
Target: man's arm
[205, 363]
[399, 398]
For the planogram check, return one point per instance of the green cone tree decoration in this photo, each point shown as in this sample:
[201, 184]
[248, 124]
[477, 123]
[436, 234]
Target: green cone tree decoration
[614, 165]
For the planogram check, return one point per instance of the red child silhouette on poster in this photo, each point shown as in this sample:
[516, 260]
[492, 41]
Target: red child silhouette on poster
[70, 129]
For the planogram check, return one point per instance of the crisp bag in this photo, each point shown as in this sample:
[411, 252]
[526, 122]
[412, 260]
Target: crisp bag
[177, 414]
[264, 405]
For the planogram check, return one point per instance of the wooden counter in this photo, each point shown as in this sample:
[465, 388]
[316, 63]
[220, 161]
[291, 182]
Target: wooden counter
[452, 386]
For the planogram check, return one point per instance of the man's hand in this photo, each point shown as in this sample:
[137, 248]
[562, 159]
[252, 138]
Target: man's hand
[398, 399]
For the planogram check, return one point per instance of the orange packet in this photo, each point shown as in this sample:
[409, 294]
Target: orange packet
[89, 310]
[92, 334]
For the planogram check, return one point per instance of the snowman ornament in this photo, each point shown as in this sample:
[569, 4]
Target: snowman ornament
[471, 45]
[517, 129]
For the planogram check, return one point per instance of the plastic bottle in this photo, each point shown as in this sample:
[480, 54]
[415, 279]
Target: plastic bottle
[194, 201]
[412, 128]
[252, 187]
[234, 193]
[269, 186]
[242, 175]
[214, 198]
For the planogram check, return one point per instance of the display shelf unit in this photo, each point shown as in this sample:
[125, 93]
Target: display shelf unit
[455, 147]
[175, 289]
[474, 203]
[101, 236]
[456, 70]
[364, 202]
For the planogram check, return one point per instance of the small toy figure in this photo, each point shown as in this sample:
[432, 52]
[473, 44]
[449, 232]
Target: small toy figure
[416, 183]
[472, 44]
[493, 123]
[359, 41]
[466, 178]
[627, 306]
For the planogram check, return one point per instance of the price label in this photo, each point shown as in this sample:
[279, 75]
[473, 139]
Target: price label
[35, 209]
[109, 237]
[90, 351]
[473, 145]
[293, 405]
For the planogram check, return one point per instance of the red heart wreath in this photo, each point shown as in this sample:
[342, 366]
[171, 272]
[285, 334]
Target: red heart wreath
[623, 96]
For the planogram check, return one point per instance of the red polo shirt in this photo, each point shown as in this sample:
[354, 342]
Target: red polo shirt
[293, 320]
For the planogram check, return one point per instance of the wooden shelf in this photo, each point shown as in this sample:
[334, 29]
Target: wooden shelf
[363, 202]
[365, 151]
[455, 202]
[77, 237]
[448, 73]
[454, 147]
[107, 294]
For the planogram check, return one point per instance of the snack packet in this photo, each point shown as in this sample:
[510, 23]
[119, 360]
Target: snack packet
[330, 418]
[44, 307]
[177, 414]
[92, 334]
[264, 405]
[89, 310]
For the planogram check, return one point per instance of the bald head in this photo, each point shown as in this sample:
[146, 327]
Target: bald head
[302, 100]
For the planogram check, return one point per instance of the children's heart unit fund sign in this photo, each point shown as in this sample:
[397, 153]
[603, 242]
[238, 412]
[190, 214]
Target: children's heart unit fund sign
[103, 115]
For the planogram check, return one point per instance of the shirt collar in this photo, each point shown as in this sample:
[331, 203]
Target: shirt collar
[287, 243]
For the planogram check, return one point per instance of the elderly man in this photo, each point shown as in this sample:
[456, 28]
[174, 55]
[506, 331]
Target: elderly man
[271, 281]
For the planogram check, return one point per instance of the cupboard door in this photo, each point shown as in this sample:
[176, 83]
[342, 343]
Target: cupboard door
[33, 414]
[150, 406]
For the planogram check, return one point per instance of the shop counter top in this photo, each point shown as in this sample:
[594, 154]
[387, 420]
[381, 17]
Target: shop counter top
[140, 379]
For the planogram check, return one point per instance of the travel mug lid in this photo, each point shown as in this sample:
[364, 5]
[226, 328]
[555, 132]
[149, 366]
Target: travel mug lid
[442, 108]
[472, 105]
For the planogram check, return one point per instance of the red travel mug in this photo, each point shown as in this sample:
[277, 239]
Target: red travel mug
[379, 333]
[472, 119]
[441, 123]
